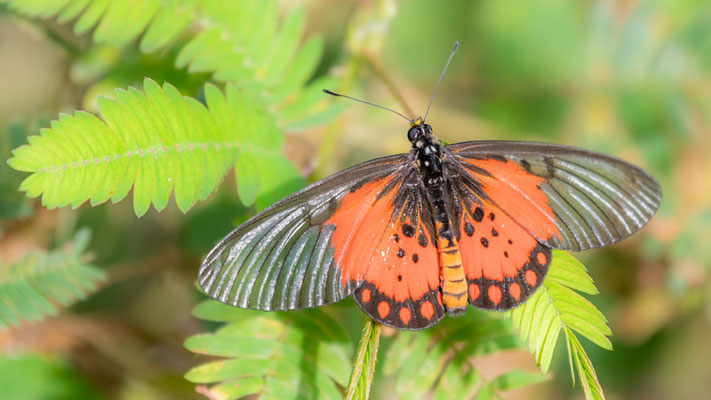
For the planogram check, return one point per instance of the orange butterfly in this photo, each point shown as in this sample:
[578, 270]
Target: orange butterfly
[415, 235]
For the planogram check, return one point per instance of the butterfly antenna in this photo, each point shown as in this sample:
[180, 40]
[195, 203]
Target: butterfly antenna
[366, 102]
[454, 50]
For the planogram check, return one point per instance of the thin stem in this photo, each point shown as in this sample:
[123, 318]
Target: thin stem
[380, 72]
[328, 142]
[330, 137]
[364, 363]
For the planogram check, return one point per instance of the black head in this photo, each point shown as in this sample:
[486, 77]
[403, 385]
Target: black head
[419, 133]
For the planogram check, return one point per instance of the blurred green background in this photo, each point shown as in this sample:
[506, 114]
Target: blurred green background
[628, 78]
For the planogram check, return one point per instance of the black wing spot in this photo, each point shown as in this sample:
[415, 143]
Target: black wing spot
[506, 254]
[510, 241]
[491, 216]
[494, 232]
[415, 258]
[396, 238]
[468, 229]
[422, 239]
[478, 214]
[485, 242]
[399, 278]
[408, 230]
[400, 253]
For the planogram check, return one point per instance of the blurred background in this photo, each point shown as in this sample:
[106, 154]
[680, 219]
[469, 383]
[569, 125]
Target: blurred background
[627, 78]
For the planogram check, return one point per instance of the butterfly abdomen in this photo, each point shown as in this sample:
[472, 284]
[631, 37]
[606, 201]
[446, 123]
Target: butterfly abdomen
[454, 283]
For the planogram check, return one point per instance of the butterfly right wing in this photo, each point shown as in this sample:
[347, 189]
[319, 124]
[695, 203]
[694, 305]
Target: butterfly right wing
[283, 257]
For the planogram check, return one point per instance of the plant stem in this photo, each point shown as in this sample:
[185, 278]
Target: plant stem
[329, 139]
[383, 75]
[364, 363]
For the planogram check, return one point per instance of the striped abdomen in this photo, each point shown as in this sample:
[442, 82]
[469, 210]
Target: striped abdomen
[454, 284]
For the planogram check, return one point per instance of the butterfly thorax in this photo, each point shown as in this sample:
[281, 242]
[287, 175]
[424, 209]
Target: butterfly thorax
[428, 153]
[428, 158]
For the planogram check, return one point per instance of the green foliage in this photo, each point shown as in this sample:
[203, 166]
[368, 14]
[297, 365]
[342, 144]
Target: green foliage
[299, 354]
[37, 286]
[34, 377]
[156, 142]
[557, 306]
[438, 362]
[12, 203]
[364, 364]
[243, 42]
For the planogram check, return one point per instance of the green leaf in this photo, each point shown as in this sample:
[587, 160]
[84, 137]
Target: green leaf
[364, 364]
[571, 273]
[157, 142]
[272, 355]
[42, 376]
[586, 372]
[40, 284]
[555, 307]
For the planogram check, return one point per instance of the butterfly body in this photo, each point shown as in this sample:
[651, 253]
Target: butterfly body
[414, 236]
[428, 154]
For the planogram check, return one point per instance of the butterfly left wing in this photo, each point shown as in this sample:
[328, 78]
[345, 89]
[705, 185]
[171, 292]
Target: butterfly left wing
[514, 201]
[283, 257]
[397, 267]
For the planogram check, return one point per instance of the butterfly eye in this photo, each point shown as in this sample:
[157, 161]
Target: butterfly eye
[428, 129]
[412, 134]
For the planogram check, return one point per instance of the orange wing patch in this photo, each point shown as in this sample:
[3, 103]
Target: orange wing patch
[359, 222]
[516, 191]
[404, 274]
[390, 255]
[503, 263]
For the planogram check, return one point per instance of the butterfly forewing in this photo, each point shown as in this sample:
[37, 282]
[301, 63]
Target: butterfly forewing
[283, 258]
[567, 198]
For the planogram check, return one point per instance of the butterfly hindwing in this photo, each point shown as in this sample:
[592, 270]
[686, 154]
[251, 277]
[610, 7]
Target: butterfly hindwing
[397, 266]
[283, 258]
[502, 262]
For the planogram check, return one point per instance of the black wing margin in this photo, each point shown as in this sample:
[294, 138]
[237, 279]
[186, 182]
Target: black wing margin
[596, 199]
[281, 259]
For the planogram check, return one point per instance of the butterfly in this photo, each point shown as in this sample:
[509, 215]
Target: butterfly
[415, 236]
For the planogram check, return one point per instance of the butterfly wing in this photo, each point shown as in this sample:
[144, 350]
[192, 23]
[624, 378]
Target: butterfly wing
[567, 198]
[283, 257]
[401, 285]
[514, 201]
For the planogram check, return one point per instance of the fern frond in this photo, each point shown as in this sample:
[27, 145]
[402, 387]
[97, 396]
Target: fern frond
[42, 283]
[555, 307]
[272, 355]
[244, 42]
[438, 361]
[156, 142]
